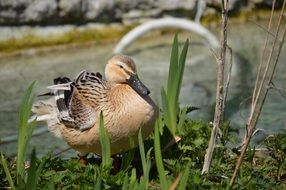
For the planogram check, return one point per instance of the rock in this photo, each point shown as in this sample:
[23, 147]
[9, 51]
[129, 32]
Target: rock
[11, 11]
[43, 11]
[171, 5]
[51, 12]
[267, 3]
[72, 8]
[233, 5]
[139, 16]
[98, 10]
[127, 5]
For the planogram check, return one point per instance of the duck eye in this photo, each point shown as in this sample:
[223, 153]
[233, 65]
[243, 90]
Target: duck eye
[121, 66]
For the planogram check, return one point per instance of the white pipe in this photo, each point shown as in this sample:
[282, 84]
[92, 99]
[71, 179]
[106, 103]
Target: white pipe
[183, 24]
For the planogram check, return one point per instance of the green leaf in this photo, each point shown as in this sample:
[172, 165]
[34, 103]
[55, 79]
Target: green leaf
[128, 157]
[31, 182]
[158, 158]
[24, 129]
[98, 184]
[182, 118]
[180, 71]
[145, 179]
[173, 67]
[142, 150]
[184, 179]
[125, 182]
[133, 179]
[170, 99]
[7, 172]
[105, 144]
[169, 119]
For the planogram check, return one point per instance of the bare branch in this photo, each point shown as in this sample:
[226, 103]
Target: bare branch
[263, 52]
[228, 78]
[260, 93]
[220, 94]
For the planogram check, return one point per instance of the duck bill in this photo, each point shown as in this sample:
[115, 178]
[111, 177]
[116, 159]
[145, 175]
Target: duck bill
[137, 85]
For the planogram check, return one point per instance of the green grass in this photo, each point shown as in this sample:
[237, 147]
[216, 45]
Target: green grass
[151, 168]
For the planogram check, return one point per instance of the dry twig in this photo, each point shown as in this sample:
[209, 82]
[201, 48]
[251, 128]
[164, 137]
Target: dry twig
[262, 85]
[221, 92]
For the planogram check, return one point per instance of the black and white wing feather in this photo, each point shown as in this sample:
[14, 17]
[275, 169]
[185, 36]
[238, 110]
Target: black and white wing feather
[76, 101]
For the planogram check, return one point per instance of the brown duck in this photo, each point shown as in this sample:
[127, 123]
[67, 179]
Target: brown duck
[72, 114]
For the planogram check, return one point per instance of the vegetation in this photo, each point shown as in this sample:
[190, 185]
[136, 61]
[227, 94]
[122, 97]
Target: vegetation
[173, 157]
[154, 164]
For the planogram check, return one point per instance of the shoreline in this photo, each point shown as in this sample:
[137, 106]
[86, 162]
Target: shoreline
[30, 40]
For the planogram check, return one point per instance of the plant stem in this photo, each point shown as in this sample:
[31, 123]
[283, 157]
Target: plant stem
[259, 94]
[219, 109]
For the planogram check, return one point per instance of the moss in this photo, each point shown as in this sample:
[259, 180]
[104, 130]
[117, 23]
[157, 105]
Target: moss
[70, 37]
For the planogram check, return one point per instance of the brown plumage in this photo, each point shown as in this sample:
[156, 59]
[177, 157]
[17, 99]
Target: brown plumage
[73, 113]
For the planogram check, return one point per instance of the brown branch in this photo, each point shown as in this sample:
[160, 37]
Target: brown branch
[228, 79]
[219, 90]
[263, 52]
[176, 182]
[261, 92]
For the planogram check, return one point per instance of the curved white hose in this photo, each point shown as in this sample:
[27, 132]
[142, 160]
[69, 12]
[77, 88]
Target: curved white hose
[183, 24]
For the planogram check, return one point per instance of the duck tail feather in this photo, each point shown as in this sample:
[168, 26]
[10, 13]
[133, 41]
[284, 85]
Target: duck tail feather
[45, 110]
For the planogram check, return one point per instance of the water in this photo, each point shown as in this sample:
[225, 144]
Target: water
[151, 54]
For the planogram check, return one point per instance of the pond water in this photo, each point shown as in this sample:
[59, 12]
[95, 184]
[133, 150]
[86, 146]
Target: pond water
[151, 53]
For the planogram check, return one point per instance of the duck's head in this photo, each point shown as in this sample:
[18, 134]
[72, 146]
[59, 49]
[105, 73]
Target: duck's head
[121, 69]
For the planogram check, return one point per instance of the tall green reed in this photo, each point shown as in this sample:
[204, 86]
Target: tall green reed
[105, 145]
[170, 98]
[25, 179]
[25, 129]
[173, 117]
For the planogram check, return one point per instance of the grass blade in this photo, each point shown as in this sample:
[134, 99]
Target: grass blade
[105, 144]
[142, 150]
[24, 134]
[125, 182]
[133, 179]
[145, 179]
[180, 71]
[127, 159]
[182, 118]
[176, 71]
[146, 164]
[184, 179]
[158, 158]
[173, 66]
[169, 116]
[32, 172]
[7, 172]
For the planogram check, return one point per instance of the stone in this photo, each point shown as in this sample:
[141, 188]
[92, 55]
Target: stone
[171, 5]
[41, 11]
[70, 7]
[268, 3]
[99, 8]
[233, 5]
[11, 11]
[51, 12]
[127, 5]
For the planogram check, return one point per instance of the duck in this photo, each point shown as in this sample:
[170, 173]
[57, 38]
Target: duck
[72, 113]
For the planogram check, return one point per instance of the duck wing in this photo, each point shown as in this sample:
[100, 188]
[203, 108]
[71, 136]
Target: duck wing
[77, 100]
